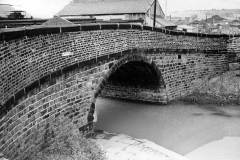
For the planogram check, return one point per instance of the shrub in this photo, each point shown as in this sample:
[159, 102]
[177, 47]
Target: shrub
[70, 147]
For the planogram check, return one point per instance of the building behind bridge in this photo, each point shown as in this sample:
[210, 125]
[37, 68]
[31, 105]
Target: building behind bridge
[7, 11]
[130, 11]
[94, 11]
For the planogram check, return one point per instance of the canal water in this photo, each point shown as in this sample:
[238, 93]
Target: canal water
[179, 127]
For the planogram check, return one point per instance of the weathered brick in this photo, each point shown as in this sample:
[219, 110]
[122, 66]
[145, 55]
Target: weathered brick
[37, 83]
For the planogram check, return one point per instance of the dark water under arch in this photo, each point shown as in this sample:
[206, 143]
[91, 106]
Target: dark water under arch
[137, 74]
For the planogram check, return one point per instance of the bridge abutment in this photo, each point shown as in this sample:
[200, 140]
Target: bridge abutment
[135, 94]
[52, 107]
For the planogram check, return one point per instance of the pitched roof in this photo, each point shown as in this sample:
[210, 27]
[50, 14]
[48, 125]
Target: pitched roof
[101, 7]
[215, 18]
[59, 21]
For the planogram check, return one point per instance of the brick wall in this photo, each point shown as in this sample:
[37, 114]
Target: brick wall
[234, 49]
[50, 108]
[181, 73]
[49, 80]
[135, 94]
[36, 56]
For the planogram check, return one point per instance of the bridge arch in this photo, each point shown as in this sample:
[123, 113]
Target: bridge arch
[66, 98]
[151, 88]
[128, 61]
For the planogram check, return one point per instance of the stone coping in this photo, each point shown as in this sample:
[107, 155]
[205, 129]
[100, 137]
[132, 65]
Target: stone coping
[35, 30]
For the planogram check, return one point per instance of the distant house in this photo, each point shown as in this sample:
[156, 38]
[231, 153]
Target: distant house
[196, 22]
[5, 10]
[235, 23]
[216, 20]
[200, 26]
[187, 28]
[17, 14]
[138, 11]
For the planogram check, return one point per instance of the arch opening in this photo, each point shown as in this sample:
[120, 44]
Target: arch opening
[134, 78]
[135, 74]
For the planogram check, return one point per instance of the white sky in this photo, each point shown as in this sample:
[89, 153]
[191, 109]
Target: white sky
[47, 8]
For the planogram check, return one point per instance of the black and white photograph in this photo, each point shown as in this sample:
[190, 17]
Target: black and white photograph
[119, 79]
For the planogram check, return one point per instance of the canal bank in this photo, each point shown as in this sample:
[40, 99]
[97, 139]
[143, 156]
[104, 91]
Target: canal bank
[123, 147]
[220, 90]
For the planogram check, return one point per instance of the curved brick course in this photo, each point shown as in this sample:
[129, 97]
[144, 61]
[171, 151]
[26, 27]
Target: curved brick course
[53, 75]
[36, 56]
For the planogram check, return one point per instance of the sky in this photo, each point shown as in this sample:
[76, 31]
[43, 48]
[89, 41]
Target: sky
[48, 8]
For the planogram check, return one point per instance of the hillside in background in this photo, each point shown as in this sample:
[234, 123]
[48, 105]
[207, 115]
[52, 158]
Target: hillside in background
[202, 14]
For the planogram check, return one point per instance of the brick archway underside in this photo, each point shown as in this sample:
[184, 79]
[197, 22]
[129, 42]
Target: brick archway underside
[138, 76]
[135, 74]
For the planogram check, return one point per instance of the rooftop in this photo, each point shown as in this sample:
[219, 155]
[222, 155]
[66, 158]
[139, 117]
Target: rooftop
[57, 21]
[102, 7]
[5, 9]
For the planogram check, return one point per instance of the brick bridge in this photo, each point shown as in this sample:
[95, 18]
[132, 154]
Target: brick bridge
[51, 77]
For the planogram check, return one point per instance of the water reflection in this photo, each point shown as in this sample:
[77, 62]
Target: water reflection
[178, 127]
